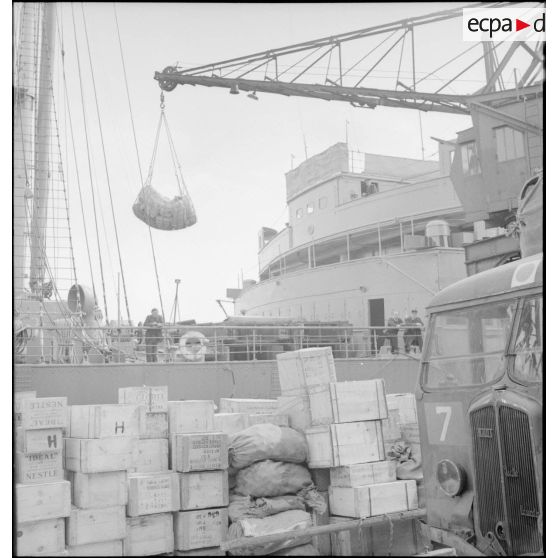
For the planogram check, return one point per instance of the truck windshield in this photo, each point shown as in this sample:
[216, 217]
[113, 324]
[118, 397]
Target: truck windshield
[528, 343]
[466, 346]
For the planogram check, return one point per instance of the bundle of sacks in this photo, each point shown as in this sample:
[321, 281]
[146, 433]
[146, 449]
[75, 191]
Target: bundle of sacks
[271, 489]
[164, 213]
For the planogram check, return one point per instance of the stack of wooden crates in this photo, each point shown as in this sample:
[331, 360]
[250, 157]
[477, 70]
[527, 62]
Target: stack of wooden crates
[152, 488]
[199, 456]
[343, 423]
[42, 494]
[99, 452]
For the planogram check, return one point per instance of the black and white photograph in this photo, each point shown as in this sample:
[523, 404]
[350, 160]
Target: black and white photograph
[278, 278]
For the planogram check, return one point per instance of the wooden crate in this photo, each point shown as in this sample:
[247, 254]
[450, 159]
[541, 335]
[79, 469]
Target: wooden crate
[106, 421]
[249, 406]
[44, 412]
[190, 416]
[95, 525]
[375, 499]
[98, 456]
[410, 434]
[299, 370]
[154, 398]
[19, 396]
[406, 404]
[39, 467]
[104, 548]
[269, 418]
[347, 402]
[99, 490]
[345, 444]
[40, 537]
[361, 474]
[297, 408]
[150, 456]
[149, 535]
[396, 538]
[37, 441]
[156, 426]
[200, 528]
[231, 423]
[36, 502]
[199, 452]
[204, 489]
[150, 493]
[391, 429]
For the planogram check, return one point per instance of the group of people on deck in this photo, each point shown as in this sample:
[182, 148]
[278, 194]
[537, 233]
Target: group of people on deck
[412, 332]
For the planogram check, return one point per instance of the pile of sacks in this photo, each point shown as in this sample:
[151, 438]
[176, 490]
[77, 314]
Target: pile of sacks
[271, 489]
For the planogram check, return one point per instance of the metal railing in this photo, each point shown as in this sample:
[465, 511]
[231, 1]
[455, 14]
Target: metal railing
[209, 343]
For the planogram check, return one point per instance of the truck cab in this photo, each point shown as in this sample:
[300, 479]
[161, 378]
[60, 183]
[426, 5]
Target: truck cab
[479, 404]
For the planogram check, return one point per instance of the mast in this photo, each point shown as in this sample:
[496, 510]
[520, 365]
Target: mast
[25, 86]
[42, 156]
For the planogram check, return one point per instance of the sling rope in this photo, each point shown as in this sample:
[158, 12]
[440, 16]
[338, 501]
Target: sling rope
[106, 168]
[138, 156]
[90, 170]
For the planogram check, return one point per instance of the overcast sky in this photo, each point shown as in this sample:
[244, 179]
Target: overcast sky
[234, 151]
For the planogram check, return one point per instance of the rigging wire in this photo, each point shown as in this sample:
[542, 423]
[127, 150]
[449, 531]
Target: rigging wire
[64, 81]
[106, 167]
[90, 170]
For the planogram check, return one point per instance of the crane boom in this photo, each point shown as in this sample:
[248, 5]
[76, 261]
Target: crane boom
[278, 71]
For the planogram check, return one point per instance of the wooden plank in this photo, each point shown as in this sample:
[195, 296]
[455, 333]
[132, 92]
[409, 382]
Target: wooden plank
[204, 489]
[149, 535]
[299, 370]
[269, 418]
[39, 467]
[150, 493]
[104, 548]
[106, 421]
[98, 456]
[37, 441]
[297, 408]
[249, 542]
[154, 398]
[99, 490]
[40, 537]
[156, 426]
[95, 525]
[249, 406]
[200, 528]
[361, 474]
[199, 452]
[322, 543]
[212, 551]
[150, 456]
[44, 412]
[191, 416]
[36, 502]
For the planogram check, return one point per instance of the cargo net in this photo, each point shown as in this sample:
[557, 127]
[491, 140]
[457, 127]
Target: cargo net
[156, 210]
[164, 213]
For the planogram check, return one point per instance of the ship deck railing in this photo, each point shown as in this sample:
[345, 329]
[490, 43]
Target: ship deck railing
[52, 344]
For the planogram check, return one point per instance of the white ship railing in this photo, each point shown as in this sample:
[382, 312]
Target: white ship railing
[210, 343]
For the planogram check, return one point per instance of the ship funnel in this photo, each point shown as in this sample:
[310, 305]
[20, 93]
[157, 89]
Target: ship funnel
[81, 298]
[437, 233]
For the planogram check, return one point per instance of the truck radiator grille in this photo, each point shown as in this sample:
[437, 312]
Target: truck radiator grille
[490, 500]
[510, 507]
[519, 481]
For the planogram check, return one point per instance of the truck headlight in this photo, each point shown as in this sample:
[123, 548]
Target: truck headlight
[451, 477]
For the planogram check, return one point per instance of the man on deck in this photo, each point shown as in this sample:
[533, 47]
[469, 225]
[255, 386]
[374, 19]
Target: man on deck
[413, 335]
[153, 334]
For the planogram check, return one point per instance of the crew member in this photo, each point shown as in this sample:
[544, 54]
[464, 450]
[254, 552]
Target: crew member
[392, 331]
[153, 334]
[413, 335]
